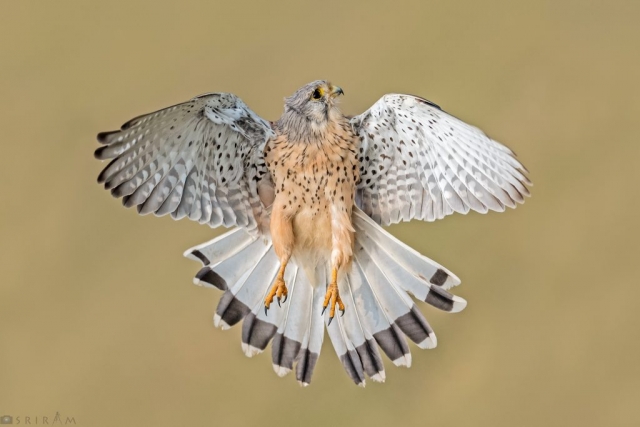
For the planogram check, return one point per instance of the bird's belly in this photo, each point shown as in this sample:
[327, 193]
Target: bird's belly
[312, 231]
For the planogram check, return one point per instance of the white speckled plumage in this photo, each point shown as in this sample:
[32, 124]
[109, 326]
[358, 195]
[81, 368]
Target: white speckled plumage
[418, 162]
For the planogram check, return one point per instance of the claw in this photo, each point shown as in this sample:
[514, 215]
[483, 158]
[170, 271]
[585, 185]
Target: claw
[285, 298]
[278, 291]
[323, 310]
[332, 298]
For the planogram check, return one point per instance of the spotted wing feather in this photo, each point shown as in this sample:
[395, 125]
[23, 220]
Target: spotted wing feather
[418, 162]
[201, 159]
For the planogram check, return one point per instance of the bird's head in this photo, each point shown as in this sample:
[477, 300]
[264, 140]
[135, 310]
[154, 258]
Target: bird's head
[315, 103]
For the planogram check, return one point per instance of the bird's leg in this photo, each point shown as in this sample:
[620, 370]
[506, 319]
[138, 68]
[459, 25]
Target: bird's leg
[341, 251]
[283, 242]
[279, 289]
[333, 296]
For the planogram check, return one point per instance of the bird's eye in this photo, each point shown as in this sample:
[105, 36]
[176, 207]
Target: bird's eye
[317, 94]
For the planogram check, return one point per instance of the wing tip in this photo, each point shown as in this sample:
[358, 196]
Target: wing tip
[99, 153]
[103, 137]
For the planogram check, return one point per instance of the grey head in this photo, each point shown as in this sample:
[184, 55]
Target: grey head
[308, 111]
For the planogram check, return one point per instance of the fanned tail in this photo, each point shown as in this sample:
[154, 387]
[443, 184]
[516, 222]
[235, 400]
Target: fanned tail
[379, 310]
[244, 267]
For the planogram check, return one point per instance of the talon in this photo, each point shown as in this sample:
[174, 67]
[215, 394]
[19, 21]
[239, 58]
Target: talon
[323, 310]
[332, 298]
[278, 291]
[285, 298]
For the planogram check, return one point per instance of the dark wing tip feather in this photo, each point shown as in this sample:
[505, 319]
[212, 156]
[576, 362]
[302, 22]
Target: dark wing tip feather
[103, 137]
[102, 177]
[125, 199]
[99, 153]
[132, 122]
[116, 191]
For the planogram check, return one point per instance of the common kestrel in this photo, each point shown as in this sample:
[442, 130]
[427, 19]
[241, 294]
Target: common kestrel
[307, 196]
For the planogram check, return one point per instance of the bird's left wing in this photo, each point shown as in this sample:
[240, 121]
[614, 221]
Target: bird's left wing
[416, 161]
[202, 159]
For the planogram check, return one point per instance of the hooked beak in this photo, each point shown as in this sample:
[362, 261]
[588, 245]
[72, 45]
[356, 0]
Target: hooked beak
[336, 91]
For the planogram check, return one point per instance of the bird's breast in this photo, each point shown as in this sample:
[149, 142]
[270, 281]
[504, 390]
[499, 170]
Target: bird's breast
[311, 179]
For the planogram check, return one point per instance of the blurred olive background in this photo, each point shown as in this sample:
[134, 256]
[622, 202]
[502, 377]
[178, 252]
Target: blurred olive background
[98, 317]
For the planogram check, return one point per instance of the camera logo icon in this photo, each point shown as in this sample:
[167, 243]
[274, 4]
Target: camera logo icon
[6, 419]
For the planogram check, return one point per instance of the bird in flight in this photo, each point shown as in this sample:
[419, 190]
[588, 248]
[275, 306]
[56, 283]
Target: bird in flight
[307, 196]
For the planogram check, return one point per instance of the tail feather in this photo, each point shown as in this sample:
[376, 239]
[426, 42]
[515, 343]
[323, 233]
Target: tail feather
[312, 341]
[235, 267]
[290, 334]
[344, 346]
[220, 248]
[375, 319]
[379, 310]
[354, 344]
[238, 300]
[363, 340]
[407, 257]
[397, 303]
[214, 253]
[346, 351]
[408, 282]
[260, 326]
[407, 267]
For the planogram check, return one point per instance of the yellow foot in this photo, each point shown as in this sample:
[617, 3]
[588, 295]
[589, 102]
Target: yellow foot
[332, 296]
[278, 290]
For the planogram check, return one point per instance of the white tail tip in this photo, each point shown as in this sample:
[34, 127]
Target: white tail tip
[219, 323]
[281, 371]
[379, 377]
[403, 361]
[250, 350]
[459, 304]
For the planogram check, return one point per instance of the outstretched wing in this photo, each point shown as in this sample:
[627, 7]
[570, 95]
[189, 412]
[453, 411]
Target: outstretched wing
[416, 161]
[202, 159]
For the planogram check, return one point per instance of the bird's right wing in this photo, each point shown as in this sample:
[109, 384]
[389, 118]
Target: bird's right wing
[202, 159]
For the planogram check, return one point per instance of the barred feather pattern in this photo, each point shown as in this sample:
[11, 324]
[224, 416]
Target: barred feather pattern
[419, 162]
[380, 312]
[201, 159]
